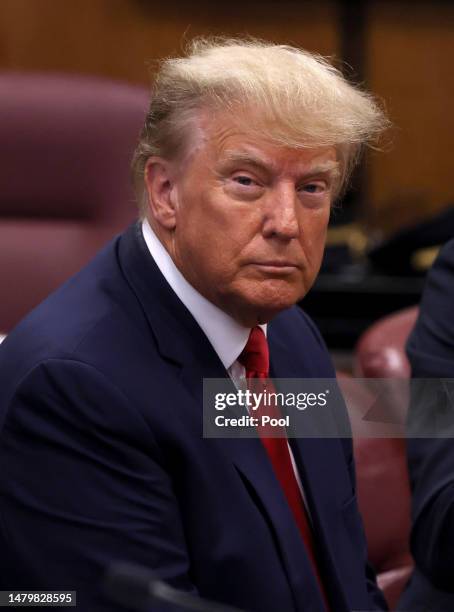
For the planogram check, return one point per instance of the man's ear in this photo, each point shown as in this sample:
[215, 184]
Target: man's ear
[159, 183]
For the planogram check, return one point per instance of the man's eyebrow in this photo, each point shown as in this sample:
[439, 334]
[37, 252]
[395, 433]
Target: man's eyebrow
[331, 166]
[245, 158]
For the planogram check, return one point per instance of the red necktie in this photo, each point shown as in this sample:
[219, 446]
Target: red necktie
[255, 358]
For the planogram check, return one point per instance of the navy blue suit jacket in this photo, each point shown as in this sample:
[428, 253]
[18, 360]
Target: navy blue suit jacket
[431, 461]
[102, 456]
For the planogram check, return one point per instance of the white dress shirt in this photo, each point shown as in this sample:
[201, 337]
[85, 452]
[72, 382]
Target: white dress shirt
[227, 337]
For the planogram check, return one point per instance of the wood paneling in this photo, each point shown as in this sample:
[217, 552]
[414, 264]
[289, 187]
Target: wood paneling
[117, 38]
[410, 64]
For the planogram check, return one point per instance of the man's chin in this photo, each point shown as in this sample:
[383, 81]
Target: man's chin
[267, 301]
[277, 294]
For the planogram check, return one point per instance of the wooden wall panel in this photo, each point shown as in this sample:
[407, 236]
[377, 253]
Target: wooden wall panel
[116, 38]
[410, 64]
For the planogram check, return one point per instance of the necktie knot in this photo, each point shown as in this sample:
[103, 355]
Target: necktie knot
[255, 356]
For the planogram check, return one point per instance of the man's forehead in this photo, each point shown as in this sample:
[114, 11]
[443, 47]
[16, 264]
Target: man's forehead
[231, 140]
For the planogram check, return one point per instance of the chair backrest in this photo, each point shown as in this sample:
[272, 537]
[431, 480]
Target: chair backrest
[380, 351]
[384, 494]
[382, 483]
[66, 145]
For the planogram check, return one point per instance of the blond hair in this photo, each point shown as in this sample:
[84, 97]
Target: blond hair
[293, 97]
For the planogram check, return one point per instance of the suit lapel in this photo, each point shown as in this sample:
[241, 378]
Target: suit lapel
[251, 460]
[311, 455]
[181, 341]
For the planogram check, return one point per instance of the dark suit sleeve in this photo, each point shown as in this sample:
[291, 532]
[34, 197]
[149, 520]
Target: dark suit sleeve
[82, 484]
[431, 461]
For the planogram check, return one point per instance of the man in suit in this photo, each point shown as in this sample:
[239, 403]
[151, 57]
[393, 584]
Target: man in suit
[245, 148]
[430, 350]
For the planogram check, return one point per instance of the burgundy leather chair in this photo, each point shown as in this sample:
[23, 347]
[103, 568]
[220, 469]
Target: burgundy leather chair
[66, 145]
[380, 351]
[383, 485]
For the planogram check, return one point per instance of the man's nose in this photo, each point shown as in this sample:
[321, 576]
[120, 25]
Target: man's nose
[280, 214]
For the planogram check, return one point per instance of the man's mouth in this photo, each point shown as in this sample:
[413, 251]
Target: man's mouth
[277, 266]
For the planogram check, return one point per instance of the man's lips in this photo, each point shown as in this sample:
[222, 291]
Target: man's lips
[280, 266]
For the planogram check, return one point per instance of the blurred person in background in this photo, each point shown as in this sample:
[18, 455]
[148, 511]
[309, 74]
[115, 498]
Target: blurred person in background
[430, 350]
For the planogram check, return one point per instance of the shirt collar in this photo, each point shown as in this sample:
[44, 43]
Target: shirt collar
[227, 337]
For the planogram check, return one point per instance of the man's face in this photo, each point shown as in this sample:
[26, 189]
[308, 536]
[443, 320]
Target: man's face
[251, 219]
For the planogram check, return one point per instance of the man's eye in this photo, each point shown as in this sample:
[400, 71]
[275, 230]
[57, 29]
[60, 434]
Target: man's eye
[313, 188]
[244, 180]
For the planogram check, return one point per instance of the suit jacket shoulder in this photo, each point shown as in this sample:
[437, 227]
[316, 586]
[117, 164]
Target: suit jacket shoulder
[431, 345]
